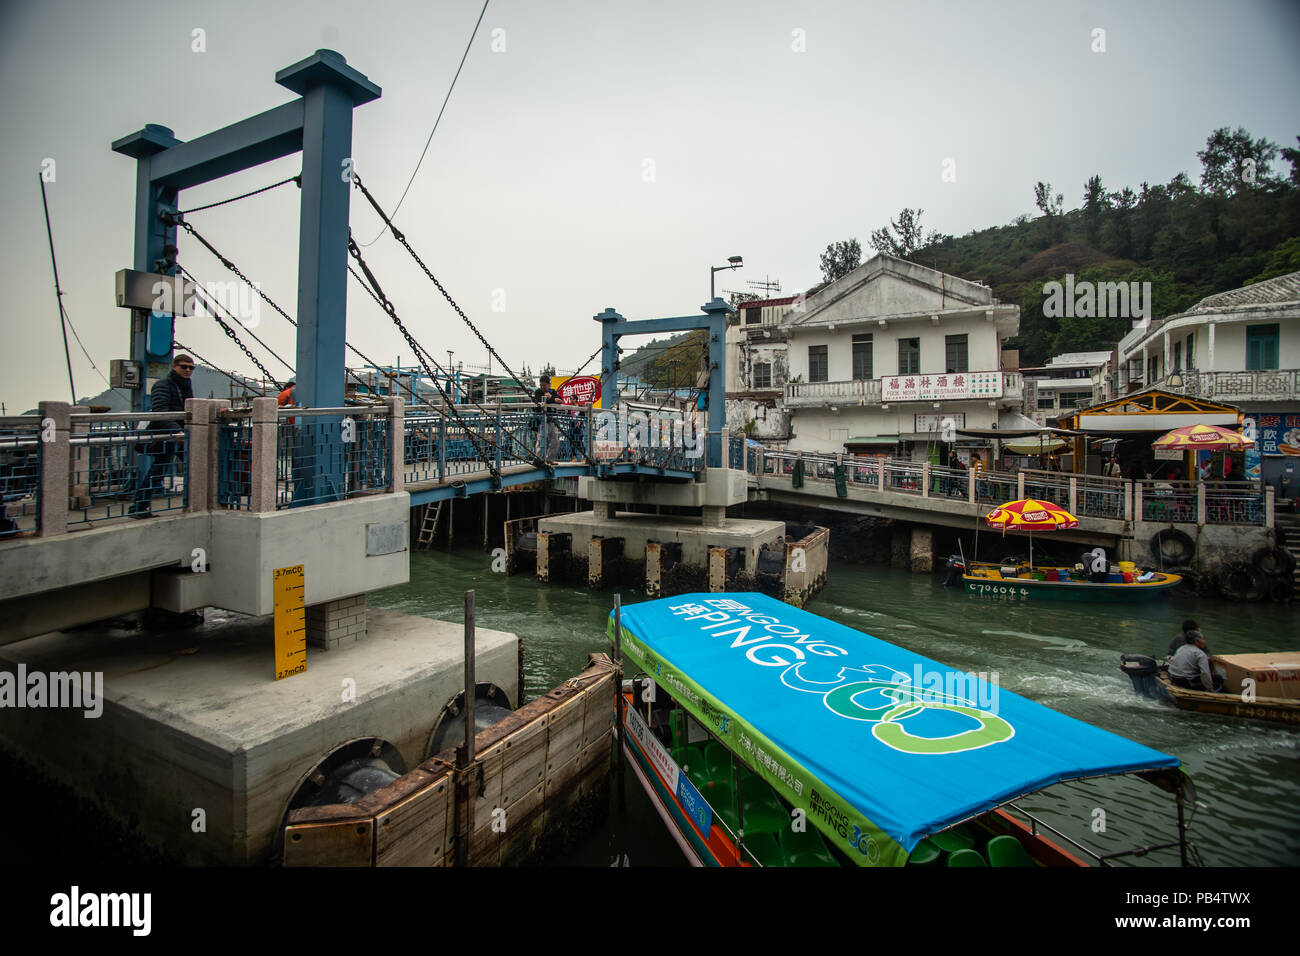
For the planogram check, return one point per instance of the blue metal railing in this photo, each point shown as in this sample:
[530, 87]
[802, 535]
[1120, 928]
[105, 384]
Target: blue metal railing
[117, 469]
[20, 476]
[235, 463]
[326, 455]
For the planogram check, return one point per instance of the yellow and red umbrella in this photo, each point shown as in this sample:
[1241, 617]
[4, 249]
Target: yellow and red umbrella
[1203, 438]
[1030, 514]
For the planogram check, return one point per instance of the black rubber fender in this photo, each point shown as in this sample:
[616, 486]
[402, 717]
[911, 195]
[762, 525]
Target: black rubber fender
[1242, 582]
[1274, 562]
[1172, 546]
[1281, 591]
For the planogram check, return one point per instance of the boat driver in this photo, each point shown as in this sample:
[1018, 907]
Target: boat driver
[1190, 667]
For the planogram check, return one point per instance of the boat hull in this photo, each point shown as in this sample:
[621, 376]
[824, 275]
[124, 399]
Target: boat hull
[1276, 709]
[1027, 589]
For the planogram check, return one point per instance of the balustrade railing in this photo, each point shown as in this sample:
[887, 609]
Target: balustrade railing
[20, 474]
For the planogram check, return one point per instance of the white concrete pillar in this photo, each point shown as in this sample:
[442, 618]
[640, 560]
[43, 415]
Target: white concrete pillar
[54, 469]
[1209, 356]
[79, 462]
[1200, 503]
[261, 464]
[199, 469]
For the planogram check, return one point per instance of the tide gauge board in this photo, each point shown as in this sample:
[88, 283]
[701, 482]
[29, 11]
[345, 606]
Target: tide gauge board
[290, 622]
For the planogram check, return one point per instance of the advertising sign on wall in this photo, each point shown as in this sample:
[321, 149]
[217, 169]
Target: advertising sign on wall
[580, 390]
[1279, 434]
[932, 388]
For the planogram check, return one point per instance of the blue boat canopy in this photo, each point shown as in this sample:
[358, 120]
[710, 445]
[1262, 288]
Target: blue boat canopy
[879, 745]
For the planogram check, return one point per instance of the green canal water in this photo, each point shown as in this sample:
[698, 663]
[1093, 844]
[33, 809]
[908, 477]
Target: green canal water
[1063, 655]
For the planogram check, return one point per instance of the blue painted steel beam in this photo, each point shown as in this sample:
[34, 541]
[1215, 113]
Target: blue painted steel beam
[319, 124]
[479, 486]
[613, 327]
[250, 142]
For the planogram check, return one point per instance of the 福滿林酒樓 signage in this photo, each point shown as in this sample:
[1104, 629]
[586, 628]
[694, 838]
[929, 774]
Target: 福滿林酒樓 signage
[933, 388]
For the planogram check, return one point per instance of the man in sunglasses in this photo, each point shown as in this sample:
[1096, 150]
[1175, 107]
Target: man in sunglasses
[153, 458]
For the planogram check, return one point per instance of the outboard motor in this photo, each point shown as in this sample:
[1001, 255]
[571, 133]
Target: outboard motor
[956, 568]
[1141, 670]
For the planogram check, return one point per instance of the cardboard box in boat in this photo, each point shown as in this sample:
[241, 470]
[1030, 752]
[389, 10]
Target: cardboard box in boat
[1276, 673]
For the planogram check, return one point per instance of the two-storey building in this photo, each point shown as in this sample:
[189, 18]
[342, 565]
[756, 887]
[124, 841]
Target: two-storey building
[758, 367]
[882, 358]
[1241, 347]
[1067, 383]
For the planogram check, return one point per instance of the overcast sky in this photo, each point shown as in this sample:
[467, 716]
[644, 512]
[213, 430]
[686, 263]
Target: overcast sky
[605, 154]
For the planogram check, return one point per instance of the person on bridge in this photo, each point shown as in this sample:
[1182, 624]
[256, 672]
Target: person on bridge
[153, 458]
[1190, 667]
[548, 435]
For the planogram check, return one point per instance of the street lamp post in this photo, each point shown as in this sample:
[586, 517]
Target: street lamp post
[733, 262]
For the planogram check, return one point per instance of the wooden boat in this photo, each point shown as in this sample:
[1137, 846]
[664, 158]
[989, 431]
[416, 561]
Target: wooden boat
[767, 736]
[1064, 584]
[1273, 691]
[1231, 703]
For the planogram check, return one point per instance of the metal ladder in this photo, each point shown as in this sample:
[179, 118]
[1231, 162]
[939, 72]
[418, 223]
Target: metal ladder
[428, 525]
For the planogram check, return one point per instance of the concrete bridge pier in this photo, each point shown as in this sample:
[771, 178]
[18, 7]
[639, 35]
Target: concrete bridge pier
[604, 560]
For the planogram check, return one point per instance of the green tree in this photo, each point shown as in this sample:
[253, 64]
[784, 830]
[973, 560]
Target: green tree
[1232, 161]
[1095, 203]
[904, 236]
[1120, 234]
[1292, 156]
[1050, 208]
[840, 258]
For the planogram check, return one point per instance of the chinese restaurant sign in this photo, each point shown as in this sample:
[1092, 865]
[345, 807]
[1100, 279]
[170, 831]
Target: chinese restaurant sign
[931, 387]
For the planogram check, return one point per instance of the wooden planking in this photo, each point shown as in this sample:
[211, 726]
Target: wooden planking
[527, 762]
[417, 831]
[350, 843]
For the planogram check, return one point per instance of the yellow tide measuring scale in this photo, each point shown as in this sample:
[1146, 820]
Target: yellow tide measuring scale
[290, 622]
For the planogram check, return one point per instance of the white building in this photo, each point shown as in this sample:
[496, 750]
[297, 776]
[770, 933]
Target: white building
[1067, 383]
[881, 357]
[1241, 347]
[758, 368]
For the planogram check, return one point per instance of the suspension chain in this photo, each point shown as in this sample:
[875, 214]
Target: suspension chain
[235, 338]
[176, 220]
[213, 205]
[180, 346]
[401, 237]
[355, 251]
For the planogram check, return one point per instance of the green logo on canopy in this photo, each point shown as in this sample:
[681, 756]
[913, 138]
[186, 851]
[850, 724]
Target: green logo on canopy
[889, 703]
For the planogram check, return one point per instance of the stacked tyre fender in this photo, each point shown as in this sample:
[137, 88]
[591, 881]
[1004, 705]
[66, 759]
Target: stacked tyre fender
[1268, 575]
[1277, 564]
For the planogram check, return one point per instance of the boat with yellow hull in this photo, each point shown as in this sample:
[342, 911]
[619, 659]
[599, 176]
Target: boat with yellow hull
[1065, 584]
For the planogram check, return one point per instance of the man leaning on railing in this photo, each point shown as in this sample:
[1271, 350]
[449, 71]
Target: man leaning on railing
[155, 457]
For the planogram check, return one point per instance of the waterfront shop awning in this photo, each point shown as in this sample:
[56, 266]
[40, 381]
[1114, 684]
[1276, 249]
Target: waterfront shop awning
[879, 746]
[1152, 411]
[871, 441]
[1012, 424]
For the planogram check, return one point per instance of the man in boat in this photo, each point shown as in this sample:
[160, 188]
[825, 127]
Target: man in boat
[1181, 637]
[1190, 667]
